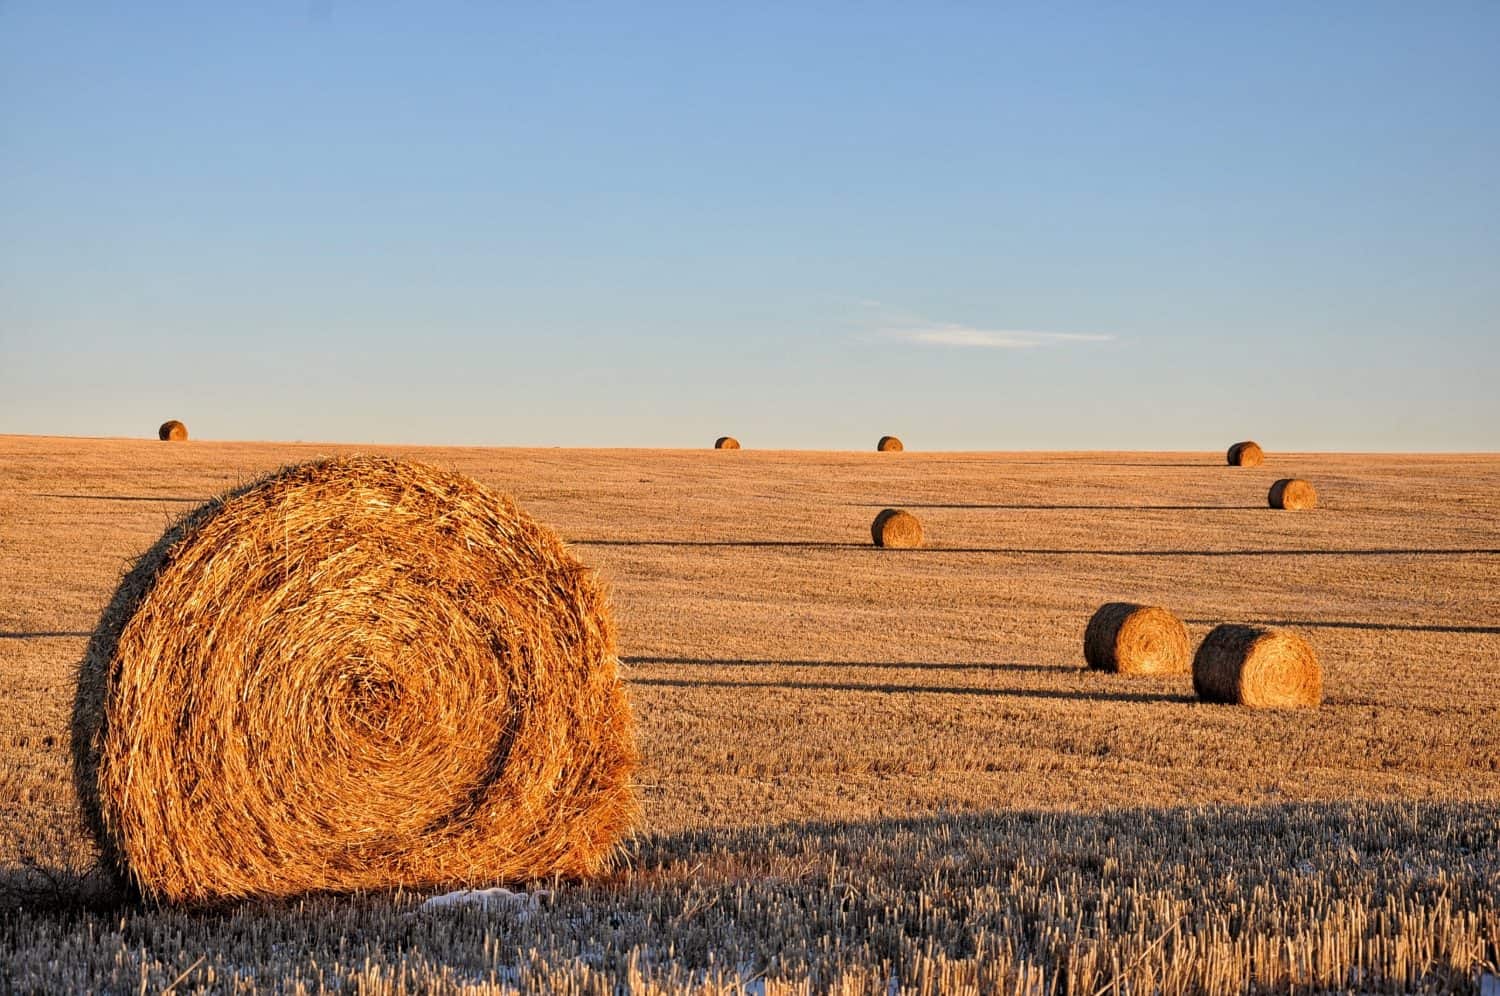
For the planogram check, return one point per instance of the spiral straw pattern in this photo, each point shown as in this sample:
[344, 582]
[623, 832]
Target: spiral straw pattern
[1257, 666]
[1136, 639]
[354, 673]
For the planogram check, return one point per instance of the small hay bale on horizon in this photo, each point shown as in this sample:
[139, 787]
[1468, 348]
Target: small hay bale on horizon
[1292, 493]
[1245, 454]
[1257, 666]
[889, 444]
[726, 443]
[1129, 638]
[896, 528]
[355, 673]
[172, 430]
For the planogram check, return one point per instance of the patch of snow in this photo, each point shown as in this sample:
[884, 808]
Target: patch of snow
[521, 905]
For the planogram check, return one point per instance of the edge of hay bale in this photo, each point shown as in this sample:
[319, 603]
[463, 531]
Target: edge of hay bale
[896, 528]
[172, 431]
[726, 443]
[1292, 493]
[1257, 666]
[1130, 638]
[889, 444]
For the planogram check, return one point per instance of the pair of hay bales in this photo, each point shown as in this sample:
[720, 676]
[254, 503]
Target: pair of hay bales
[886, 444]
[354, 673]
[1255, 666]
[172, 431]
[1290, 493]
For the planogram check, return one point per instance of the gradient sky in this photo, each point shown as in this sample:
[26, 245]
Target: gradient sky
[975, 226]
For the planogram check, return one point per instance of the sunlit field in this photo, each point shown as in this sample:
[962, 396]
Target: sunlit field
[876, 770]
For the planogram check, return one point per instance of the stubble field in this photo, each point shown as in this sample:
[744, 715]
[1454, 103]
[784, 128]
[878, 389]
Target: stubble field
[863, 766]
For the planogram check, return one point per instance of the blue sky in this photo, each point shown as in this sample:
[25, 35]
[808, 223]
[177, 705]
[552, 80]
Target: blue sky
[975, 226]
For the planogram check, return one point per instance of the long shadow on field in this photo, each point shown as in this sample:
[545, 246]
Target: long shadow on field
[1049, 552]
[193, 501]
[1349, 624]
[1071, 508]
[886, 687]
[44, 634]
[878, 665]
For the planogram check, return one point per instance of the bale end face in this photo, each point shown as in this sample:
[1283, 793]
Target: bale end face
[1245, 454]
[896, 529]
[1259, 667]
[172, 430]
[726, 443]
[1136, 639]
[1293, 493]
[889, 444]
[411, 683]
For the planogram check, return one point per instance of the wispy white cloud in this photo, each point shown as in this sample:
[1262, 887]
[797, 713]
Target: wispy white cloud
[963, 336]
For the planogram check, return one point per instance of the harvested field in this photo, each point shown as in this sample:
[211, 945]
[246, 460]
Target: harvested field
[859, 766]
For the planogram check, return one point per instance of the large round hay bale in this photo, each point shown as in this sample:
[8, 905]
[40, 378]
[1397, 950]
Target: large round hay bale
[172, 430]
[1257, 666]
[354, 673]
[1136, 639]
[889, 444]
[726, 443]
[1246, 454]
[1292, 493]
[896, 528]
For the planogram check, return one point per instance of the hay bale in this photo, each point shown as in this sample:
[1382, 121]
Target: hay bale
[726, 443]
[889, 444]
[172, 430]
[1292, 493]
[896, 528]
[354, 673]
[1136, 639]
[1246, 454]
[1257, 666]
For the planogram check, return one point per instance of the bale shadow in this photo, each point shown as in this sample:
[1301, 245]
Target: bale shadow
[148, 498]
[45, 634]
[878, 665]
[892, 688]
[1351, 624]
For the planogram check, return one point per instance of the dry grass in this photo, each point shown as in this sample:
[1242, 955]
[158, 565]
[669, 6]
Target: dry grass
[857, 765]
[1257, 666]
[1136, 639]
[405, 681]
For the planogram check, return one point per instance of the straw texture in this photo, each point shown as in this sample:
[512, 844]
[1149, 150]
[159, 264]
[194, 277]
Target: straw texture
[1136, 639]
[1257, 666]
[889, 444]
[354, 673]
[172, 430]
[1292, 493]
[1246, 454]
[897, 529]
[726, 443]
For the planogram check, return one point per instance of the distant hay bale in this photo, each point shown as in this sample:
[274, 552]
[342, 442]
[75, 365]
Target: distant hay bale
[172, 430]
[726, 443]
[1246, 454]
[1136, 639]
[1257, 666]
[889, 444]
[896, 529]
[1293, 493]
[354, 673]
